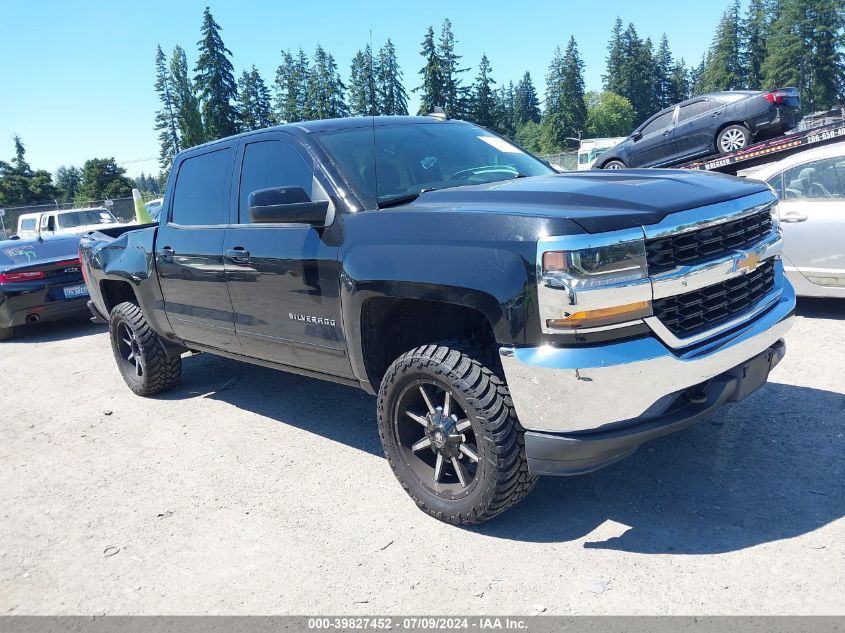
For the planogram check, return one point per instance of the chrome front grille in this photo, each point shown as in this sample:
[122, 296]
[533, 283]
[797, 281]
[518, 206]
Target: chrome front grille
[691, 313]
[696, 247]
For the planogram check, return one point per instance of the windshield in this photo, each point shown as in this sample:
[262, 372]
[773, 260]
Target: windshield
[391, 162]
[83, 218]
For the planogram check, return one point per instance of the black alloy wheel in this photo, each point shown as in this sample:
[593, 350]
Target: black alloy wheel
[140, 354]
[436, 439]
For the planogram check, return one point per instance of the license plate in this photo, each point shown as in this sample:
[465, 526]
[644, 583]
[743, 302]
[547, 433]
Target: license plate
[74, 292]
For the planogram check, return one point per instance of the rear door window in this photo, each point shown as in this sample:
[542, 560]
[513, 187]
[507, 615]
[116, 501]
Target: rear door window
[661, 122]
[200, 185]
[694, 109]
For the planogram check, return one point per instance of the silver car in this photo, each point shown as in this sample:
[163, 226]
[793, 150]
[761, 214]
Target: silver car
[811, 187]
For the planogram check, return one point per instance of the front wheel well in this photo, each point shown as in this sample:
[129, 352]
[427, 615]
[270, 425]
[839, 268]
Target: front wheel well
[392, 326]
[116, 292]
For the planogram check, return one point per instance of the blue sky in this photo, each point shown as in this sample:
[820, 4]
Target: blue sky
[79, 74]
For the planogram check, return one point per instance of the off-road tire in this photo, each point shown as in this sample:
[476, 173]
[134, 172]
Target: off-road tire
[502, 478]
[160, 372]
[614, 164]
[7, 333]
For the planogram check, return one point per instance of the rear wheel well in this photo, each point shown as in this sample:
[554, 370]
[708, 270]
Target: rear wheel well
[390, 327]
[116, 292]
[729, 124]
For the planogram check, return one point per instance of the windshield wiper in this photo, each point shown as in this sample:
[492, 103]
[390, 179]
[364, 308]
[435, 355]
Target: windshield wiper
[395, 202]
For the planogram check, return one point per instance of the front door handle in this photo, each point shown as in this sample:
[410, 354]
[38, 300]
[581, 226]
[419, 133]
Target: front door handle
[167, 253]
[238, 254]
[793, 217]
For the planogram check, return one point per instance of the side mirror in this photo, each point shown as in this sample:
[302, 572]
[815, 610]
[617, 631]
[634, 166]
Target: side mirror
[286, 205]
[636, 136]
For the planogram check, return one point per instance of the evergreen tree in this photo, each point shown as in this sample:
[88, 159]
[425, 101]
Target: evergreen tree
[254, 107]
[755, 35]
[614, 78]
[506, 111]
[188, 117]
[664, 64]
[431, 90]
[695, 74]
[526, 103]
[363, 91]
[20, 184]
[828, 86]
[103, 178]
[632, 70]
[724, 67]
[392, 98]
[679, 82]
[291, 86]
[166, 123]
[215, 81]
[67, 181]
[789, 62]
[325, 96]
[483, 106]
[455, 95]
[566, 114]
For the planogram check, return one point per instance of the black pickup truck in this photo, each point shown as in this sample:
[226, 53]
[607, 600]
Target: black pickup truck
[513, 321]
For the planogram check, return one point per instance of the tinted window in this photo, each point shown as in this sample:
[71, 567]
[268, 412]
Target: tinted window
[661, 122]
[272, 164]
[198, 198]
[819, 180]
[694, 109]
[393, 161]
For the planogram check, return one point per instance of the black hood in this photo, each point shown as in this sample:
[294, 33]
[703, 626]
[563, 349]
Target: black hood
[597, 200]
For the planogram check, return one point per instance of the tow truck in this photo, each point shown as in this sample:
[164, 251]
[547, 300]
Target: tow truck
[832, 128]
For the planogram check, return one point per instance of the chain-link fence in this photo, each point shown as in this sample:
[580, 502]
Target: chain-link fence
[122, 208]
[566, 160]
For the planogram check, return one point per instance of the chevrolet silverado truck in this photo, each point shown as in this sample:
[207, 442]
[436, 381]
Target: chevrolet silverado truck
[513, 321]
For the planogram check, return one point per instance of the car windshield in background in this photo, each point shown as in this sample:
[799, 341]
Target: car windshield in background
[392, 163]
[83, 218]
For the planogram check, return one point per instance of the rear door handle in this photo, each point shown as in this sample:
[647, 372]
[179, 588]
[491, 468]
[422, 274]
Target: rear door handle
[238, 254]
[167, 253]
[715, 114]
[793, 217]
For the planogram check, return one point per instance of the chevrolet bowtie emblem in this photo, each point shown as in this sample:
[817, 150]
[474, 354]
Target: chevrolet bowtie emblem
[747, 262]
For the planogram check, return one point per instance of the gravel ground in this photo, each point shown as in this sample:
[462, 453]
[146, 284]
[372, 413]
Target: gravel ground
[254, 491]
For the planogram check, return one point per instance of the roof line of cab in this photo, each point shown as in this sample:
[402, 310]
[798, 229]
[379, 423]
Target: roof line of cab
[322, 125]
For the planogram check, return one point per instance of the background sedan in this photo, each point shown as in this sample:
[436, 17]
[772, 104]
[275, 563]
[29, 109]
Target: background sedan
[719, 122]
[811, 187]
[40, 280]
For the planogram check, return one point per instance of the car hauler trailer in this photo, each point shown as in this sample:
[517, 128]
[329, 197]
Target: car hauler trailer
[771, 149]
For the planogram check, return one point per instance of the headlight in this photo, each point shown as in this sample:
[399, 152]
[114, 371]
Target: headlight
[597, 267]
[600, 281]
[775, 211]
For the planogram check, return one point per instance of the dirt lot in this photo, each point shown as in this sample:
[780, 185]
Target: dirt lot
[254, 491]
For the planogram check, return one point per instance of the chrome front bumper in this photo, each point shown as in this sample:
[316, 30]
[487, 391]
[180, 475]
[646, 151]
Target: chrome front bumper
[569, 390]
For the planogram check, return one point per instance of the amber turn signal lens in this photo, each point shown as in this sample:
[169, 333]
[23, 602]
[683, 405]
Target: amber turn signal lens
[554, 261]
[602, 316]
